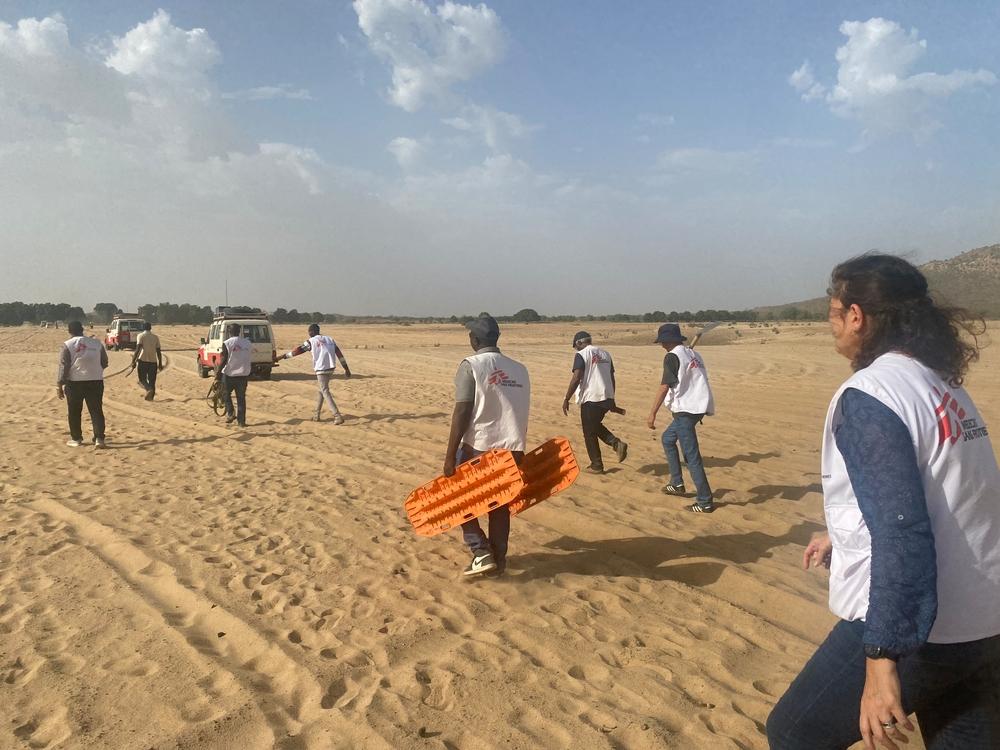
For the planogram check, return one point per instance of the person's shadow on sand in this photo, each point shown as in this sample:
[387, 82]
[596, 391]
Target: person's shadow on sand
[644, 556]
[710, 462]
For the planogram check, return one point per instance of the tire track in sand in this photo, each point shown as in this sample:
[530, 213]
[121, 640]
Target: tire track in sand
[290, 696]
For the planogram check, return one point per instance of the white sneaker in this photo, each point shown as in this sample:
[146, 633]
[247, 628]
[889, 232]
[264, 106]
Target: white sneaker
[481, 563]
[338, 419]
[99, 444]
[74, 443]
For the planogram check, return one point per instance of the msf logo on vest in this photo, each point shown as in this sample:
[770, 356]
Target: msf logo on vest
[952, 424]
[499, 377]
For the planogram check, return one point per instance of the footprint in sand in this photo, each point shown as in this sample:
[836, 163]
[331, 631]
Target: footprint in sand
[47, 727]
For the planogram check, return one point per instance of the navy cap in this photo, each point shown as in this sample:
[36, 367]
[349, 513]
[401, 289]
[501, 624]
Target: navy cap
[580, 336]
[485, 328]
[669, 332]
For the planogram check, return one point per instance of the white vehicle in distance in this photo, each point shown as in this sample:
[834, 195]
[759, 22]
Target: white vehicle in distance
[123, 331]
[254, 325]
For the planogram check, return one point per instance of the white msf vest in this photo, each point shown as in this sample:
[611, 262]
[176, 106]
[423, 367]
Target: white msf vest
[85, 359]
[962, 485]
[239, 356]
[596, 384]
[692, 394]
[500, 408]
[323, 349]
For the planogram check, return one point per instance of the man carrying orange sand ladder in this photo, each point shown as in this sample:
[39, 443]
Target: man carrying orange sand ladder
[492, 399]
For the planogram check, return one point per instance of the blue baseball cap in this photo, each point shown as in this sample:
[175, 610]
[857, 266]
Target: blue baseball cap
[668, 333]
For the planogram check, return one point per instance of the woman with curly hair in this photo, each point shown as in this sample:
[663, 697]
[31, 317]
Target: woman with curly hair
[912, 502]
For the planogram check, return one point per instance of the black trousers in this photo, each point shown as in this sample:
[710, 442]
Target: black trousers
[592, 417]
[77, 392]
[147, 376]
[236, 383]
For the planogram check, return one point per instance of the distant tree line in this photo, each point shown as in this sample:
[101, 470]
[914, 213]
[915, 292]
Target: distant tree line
[165, 313]
[18, 313]
[528, 315]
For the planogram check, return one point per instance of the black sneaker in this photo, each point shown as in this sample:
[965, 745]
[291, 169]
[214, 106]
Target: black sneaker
[696, 508]
[482, 562]
[674, 489]
[621, 450]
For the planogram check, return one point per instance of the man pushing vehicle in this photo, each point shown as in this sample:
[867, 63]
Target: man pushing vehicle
[323, 349]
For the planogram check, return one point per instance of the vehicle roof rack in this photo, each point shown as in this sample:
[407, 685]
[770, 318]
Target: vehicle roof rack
[223, 311]
[126, 315]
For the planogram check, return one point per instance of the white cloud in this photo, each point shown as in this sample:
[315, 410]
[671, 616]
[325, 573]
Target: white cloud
[655, 120]
[876, 85]
[33, 38]
[44, 77]
[492, 125]
[803, 81]
[430, 50]
[706, 160]
[796, 142]
[159, 51]
[265, 93]
[406, 150]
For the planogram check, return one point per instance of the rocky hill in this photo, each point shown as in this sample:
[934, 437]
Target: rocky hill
[970, 280]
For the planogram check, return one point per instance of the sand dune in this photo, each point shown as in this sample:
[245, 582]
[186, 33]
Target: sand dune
[202, 587]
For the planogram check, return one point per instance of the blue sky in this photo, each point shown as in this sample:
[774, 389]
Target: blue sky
[407, 157]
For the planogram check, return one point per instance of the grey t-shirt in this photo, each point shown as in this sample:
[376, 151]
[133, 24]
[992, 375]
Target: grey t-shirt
[465, 382]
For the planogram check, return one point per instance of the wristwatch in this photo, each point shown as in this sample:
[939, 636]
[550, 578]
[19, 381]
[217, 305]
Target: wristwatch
[877, 652]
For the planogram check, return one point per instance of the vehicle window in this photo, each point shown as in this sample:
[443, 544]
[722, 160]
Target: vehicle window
[258, 334]
[134, 325]
[214, 333]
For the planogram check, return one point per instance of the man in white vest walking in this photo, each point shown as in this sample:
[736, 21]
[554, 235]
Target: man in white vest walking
[82, 361]
[492, 399]
[593, 382]
[324, 350]
[684, 389]
[234, 369]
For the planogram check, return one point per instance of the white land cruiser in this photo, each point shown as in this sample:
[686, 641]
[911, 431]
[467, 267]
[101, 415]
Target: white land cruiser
[254, 325]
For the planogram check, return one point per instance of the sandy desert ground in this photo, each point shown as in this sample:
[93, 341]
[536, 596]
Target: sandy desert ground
[202, 587]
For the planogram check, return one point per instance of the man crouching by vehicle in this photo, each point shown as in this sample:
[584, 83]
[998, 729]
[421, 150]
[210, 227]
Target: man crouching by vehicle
[492, 398]
[323, 350]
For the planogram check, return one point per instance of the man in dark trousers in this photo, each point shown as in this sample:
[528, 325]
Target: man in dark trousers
[82, 361]
[149, 358]
[685, 390]
[234, 368]
[593, 382]
[492, 399]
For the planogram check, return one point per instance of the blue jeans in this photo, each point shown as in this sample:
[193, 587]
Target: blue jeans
[954, 689]
[499, 524]
[683, 429]
[236, 383]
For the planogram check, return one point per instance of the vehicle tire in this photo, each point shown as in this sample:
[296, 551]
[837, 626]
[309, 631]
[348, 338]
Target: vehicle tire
[117, 348]
[203, 371]
[265, 374]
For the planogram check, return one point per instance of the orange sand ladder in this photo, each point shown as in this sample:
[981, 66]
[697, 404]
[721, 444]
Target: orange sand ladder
[489, 481]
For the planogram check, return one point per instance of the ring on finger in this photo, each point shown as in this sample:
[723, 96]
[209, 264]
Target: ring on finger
[888, 724]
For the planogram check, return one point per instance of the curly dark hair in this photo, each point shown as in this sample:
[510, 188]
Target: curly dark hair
[901, 316]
